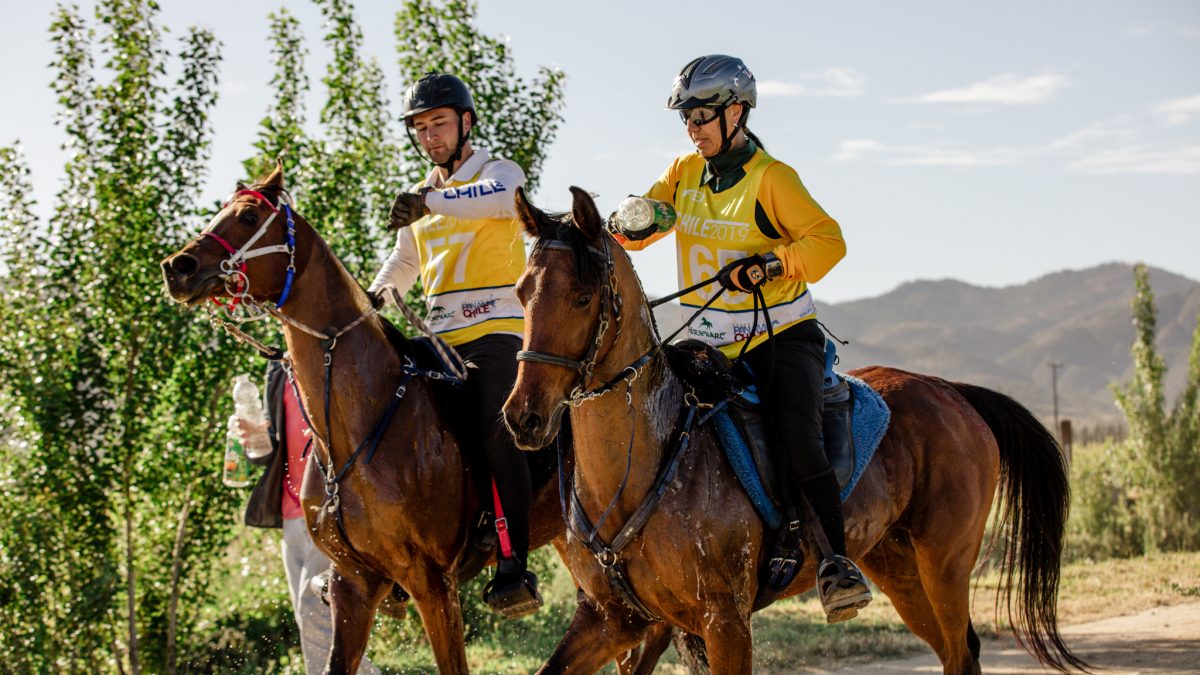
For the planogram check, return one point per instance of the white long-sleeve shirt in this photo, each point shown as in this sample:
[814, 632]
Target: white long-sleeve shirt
[489, 196]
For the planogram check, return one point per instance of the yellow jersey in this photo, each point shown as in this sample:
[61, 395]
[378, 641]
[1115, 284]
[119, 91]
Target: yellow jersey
[768, 210]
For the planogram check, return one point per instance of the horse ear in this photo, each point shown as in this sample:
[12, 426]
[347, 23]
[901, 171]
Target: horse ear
[583, 211]
[275, 180]
[531, 217]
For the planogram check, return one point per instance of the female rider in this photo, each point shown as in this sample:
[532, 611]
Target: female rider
[748, 215]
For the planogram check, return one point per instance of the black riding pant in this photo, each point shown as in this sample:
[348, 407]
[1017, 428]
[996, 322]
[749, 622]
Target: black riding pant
[492, 370]
[789, 370]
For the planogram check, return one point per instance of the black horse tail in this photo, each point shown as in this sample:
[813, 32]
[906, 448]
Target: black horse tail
[1036, 495]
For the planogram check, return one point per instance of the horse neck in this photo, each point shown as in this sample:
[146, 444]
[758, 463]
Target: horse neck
[607, 429]
[325, 297]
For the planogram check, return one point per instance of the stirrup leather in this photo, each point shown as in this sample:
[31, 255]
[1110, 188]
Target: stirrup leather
[842, 588]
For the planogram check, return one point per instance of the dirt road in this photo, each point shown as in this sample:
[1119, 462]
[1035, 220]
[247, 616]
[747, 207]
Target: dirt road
[1160, 640]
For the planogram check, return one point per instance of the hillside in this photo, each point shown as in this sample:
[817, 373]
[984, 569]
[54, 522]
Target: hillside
[1004, 338]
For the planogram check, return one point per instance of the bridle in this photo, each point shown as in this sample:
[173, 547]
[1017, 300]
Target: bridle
[234, 267]
[610, 315]
[237, 284]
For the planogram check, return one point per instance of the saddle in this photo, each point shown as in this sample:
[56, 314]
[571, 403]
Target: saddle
[716, 379]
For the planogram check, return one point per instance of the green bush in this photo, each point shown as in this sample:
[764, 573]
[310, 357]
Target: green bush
[1139, 496]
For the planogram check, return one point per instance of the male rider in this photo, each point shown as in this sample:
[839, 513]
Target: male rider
[458, 232]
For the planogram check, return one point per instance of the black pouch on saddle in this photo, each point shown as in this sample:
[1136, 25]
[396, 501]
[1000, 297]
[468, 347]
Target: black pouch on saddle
[706, 369]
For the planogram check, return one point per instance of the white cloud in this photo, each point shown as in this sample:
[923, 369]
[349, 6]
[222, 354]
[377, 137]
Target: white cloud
[233, 88]
[927, 155]
[779, 88]
[1006, 89]
[1101, 148]
[1140, 158]
[1189, 32]
[1179, 110]
[834, 81]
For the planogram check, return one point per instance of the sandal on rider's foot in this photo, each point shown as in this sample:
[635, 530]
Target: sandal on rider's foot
[842, 589]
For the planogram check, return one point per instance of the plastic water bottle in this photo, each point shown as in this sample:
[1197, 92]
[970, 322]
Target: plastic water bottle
[639, 217]
[248, 407]
[236, 473]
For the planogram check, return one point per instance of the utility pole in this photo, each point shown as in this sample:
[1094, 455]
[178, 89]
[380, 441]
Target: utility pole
[1054, 368]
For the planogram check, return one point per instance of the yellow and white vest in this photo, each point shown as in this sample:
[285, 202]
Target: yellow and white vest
[713, 230]
[468, 269]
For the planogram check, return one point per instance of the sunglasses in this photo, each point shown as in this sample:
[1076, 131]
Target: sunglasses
[700, 116]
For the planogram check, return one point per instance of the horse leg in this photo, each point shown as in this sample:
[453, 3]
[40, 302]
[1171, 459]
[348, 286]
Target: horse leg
[892, 566]
[353, 598]
[656, 641]
[436, 598]
[595, 637]
[930, 588]
[728, 643]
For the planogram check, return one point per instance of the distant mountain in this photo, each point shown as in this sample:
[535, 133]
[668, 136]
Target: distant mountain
[1004, 338]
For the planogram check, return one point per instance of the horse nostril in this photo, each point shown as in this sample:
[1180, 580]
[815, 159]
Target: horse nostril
[182, 265]
[530, 423]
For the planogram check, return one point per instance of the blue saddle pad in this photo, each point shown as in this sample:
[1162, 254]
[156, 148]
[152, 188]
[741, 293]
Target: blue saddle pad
[869, 421]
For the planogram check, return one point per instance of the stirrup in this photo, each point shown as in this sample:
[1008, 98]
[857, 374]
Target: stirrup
[516, 598]
[842, 589]
[319, 585]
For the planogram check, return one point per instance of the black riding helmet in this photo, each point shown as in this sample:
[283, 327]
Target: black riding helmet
[439, 90]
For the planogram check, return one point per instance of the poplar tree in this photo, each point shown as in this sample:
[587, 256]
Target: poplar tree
[111, 458]
[1162, 451]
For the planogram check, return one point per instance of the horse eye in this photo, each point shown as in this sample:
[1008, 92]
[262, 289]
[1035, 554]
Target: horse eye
[583, 299]
[249, 217]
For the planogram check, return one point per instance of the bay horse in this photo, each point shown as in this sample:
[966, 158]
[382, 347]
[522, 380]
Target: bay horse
[404, 516]
[915, 522]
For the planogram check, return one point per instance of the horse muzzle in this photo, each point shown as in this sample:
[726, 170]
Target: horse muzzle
[531, 429]
[186, 282]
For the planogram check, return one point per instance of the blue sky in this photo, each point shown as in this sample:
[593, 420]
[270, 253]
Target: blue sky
[991, 142]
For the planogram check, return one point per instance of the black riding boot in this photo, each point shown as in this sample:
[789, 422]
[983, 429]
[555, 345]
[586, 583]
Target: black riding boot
[840, 584]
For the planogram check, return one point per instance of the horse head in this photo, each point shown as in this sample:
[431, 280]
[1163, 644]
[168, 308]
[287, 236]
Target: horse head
[230, 257]
[572, 291]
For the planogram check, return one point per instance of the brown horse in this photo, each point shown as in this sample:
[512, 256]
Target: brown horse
[405, 516]
[915, 521]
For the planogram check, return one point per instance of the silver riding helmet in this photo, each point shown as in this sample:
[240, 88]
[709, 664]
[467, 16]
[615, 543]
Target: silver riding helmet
[714, 80]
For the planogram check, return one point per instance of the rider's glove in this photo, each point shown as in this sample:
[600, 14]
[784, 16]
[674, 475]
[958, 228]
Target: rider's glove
[408, 208]
[744, 274]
